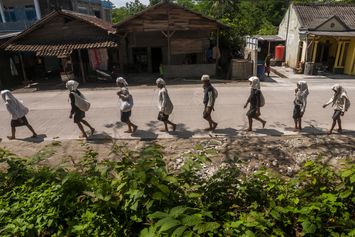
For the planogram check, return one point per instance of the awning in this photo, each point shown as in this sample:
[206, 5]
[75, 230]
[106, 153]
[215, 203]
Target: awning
[332, 33]
[269, 38]
[58, 50]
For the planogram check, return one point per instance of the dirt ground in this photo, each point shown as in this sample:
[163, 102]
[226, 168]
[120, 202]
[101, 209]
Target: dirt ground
[283, 154]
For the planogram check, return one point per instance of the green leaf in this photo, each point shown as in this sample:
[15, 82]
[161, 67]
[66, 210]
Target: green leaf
[159, 196]
[206, 227]
[346, 173]
[345, 194]
[171, 179]
[177, 211]
[167, 223]
[158, 215]
[179, 231]
[249, 233]
[191, 220]
[148, 232]
[308, 227]
[163, 188]
[352, 179]
[275, 214]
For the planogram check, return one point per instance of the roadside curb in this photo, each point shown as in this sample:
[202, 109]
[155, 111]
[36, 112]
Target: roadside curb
[278, 73]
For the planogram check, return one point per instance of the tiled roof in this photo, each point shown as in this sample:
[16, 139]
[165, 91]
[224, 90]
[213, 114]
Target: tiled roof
[312, 15]
[60, 49]
[91, 20]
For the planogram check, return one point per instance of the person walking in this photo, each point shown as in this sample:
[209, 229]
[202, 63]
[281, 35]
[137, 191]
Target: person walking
[18, 111]
[255, 100]
[79, 105]
[165, 105]
[126, 100]
[209, 99]
[300, 103]
[267, 64]
[341, 103]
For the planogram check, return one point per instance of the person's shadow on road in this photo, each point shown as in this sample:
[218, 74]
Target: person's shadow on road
[40, 138]
[269, 132]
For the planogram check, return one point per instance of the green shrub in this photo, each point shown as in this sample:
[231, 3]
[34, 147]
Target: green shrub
[138, 196]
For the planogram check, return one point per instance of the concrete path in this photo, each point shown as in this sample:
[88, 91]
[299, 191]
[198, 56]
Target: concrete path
[49, 111]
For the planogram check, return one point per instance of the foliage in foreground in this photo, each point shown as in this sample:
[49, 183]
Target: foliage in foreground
[138, 196]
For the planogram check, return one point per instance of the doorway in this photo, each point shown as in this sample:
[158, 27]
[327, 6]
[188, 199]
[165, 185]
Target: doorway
[156, 58]
[140, 59]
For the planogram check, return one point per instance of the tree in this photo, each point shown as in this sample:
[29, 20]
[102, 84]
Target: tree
[131, 8]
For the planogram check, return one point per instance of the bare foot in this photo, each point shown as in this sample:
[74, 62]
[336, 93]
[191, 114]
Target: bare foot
[340, 130]
[295, 130]
[264, 124]
[128, 131]
[135, 128]
[214, 126]
[174, 127]
[83, 136]
[11, 137]
[208, 129]
[163, 130]
[330, 132]
[248, 130]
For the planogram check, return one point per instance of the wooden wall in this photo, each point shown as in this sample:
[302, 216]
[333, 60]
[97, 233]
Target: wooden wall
[182, 43]
[167, 17]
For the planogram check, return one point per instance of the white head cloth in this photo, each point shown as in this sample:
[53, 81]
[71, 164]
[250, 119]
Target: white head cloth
[160, 81]
[339, 92]
[303, 88]
[122, 81]
[205, 77]
[15, 107]
[255, 82]
[72, 85]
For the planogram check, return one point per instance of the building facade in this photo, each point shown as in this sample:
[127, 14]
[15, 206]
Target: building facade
[169, 39]
[322, 35]
[17, 15]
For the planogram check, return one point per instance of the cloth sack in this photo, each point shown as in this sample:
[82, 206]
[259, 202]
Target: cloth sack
[262, 99]
[81, 102]
[127, 105]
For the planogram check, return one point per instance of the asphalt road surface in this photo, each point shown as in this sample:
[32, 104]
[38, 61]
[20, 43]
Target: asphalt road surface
[49, 111]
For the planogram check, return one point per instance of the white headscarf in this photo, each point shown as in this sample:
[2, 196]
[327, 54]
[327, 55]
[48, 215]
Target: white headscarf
[339, 92]
[160, 81]
[255, 82]
[72, 85]
[303, 88]
[15, 107]
[205, 77]
[121, 80]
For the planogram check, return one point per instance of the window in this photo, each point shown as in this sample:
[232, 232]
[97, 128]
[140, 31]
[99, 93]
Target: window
[97, 14]
[83, 10]
[30, 13]
[10, 15]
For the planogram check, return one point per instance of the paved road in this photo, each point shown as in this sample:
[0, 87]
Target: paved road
[50, 110]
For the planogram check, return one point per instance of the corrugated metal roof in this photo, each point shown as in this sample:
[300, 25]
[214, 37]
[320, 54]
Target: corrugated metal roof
[332, 33]
[270, 38]
[312, 15]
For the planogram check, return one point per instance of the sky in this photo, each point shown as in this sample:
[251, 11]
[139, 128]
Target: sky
[120, 3]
